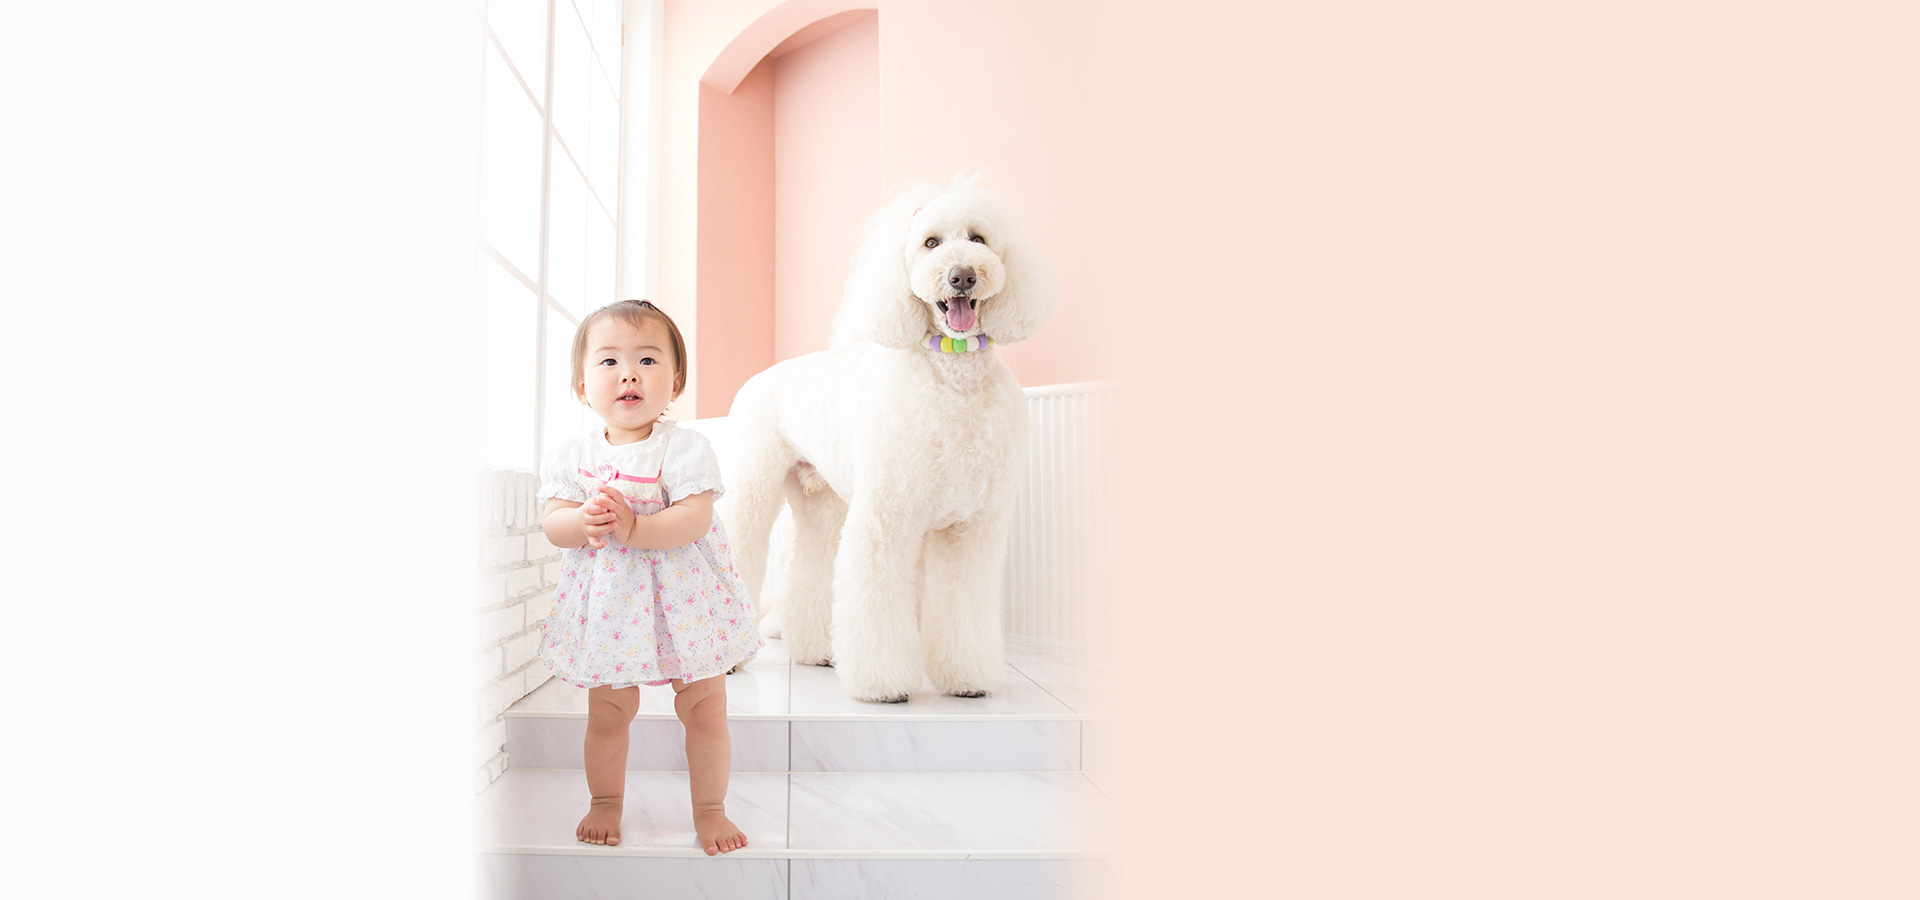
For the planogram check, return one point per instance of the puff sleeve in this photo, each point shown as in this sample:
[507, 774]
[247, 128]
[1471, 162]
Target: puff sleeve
[557, 475]
[690, 467]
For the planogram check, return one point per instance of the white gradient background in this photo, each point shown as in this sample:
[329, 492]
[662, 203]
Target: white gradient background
[239, 256]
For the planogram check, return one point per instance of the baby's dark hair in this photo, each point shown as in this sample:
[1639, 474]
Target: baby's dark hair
[632, 312]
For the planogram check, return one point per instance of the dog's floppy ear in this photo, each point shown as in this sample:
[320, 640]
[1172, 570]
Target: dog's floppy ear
[878, 304]
[1028, 298]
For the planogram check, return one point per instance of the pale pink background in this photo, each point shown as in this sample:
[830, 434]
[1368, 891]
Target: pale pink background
[1557, 378]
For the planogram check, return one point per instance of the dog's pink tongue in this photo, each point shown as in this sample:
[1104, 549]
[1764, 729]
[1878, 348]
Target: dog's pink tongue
[960, 315]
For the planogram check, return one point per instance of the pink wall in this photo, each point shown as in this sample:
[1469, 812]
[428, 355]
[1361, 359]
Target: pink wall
[1011, 87]
[736, 238]
[826, 172]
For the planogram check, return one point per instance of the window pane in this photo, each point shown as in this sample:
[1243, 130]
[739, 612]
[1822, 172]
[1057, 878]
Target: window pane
[600, 260]
[567, 238]
[505, 343]
[510, 169]
[521, 26]
[603, 153]
[603, 22]
[572, 63]
[565, 415]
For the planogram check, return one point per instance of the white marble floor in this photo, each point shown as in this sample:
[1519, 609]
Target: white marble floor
[829, 815]
[948, 836]
[537, 809]
[813, 836]
[1003, 796]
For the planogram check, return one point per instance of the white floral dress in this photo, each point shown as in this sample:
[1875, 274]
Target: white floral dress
[624, 616]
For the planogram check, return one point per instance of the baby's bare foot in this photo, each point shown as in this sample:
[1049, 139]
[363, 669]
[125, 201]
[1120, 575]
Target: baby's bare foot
[716, 833]
[602, 824]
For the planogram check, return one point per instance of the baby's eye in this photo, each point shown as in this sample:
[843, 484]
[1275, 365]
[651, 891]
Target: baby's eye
[647, 361]
[932, 242]
[609, 361]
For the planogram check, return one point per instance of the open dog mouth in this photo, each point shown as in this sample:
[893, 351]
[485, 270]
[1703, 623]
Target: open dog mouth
[960, 312]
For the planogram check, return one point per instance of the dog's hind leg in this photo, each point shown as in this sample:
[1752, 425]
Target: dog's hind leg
[773, 587]
[818, 516]
[960, 608]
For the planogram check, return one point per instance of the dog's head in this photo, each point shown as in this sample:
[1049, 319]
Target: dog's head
[944, 261]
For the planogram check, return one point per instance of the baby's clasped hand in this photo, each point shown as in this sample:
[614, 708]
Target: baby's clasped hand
[597, 522]
[606, 513]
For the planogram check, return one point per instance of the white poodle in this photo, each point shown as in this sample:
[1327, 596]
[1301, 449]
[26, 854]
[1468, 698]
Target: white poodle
[899, 453]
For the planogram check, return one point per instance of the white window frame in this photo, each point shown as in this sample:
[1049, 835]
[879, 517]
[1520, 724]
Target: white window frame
[614, 207]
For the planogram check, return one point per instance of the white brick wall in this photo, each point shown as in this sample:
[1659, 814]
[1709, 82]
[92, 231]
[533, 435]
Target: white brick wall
[514, 591]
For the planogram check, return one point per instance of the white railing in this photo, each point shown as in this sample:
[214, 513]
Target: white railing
[1059, 561]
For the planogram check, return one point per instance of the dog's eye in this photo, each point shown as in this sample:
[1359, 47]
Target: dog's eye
[977, 239]
[932, 242]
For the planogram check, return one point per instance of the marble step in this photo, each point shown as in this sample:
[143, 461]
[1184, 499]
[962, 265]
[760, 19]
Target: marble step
[1005, 835]
[1044, 717]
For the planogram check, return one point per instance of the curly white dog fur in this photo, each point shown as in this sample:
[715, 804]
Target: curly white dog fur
[900, 461]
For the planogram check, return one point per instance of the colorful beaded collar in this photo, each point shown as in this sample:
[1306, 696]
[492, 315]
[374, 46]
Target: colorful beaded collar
[946, 344]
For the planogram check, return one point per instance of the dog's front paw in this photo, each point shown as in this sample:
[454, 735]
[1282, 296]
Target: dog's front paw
[966, 684]
[809, 647]
[875, 678]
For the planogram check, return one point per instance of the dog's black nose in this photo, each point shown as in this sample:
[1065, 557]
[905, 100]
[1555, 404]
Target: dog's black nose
[960, 278]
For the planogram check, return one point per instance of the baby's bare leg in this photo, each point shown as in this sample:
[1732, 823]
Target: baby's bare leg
[609, 711]
[702, 707]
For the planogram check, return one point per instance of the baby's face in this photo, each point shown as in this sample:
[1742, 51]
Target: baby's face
[629, 376]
